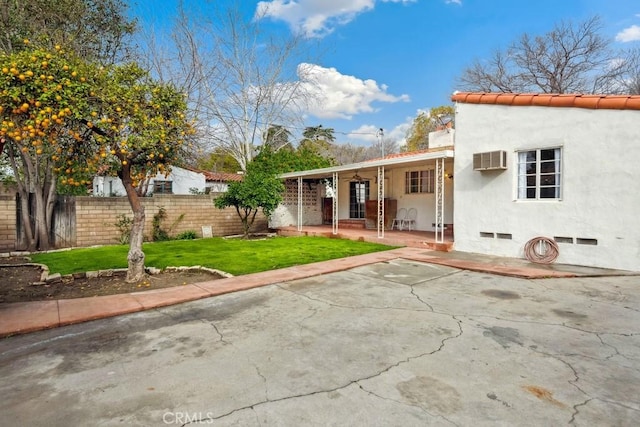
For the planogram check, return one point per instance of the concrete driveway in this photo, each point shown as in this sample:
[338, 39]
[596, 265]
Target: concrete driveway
[394, 343]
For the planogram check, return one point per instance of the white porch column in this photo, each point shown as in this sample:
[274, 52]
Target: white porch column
[334, 215]
[380, 202]
[439, 200]
[299, 203]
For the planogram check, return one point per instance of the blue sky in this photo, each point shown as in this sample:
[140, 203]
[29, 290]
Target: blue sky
[384, 61]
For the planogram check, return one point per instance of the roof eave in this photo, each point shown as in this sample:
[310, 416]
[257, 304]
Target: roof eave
[361, 166]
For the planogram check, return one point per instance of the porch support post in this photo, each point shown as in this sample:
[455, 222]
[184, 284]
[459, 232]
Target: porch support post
[334, 184]
[299, 203]
[439, 200]
[381, 202]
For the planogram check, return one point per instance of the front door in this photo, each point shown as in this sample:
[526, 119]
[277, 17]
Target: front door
[358, 195]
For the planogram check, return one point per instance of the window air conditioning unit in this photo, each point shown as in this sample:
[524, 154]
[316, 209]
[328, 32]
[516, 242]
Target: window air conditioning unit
[491, 160]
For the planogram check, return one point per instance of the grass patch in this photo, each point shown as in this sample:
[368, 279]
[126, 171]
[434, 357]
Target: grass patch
[235, 256]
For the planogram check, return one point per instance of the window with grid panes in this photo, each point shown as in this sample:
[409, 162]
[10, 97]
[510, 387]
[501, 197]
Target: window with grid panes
[420, 181]
[163, 187]
[539, 173]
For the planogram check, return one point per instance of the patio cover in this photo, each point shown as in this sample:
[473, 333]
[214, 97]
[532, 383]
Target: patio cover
[437, 155]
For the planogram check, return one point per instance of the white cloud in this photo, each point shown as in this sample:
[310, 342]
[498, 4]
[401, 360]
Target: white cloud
[454, 2]
[316, 18]
[629, 34]
[366, 133]
[369, 133]
[339, 96]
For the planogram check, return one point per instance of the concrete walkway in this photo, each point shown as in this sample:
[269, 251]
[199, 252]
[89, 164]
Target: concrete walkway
[392, 342]
[19, 318]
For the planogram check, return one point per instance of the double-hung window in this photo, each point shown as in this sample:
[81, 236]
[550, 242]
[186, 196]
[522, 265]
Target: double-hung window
[539, 174]
[420, 181]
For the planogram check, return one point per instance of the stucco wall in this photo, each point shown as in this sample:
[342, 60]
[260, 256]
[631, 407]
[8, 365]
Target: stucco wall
[182, 181]
[600, 157]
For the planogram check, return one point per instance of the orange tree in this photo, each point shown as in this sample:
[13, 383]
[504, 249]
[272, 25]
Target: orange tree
[42, 96]
[139, 129]
[63, 119]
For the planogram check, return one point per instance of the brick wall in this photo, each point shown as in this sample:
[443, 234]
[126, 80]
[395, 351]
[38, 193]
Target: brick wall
[96, 218]
[7, 223]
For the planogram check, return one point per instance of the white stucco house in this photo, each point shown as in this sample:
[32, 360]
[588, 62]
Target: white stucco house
[564, 167]
[370, 194]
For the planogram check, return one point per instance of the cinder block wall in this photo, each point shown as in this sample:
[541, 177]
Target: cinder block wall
[7, 223]
[96, 217]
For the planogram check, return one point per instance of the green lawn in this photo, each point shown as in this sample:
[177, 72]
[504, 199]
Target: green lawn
[233, 256]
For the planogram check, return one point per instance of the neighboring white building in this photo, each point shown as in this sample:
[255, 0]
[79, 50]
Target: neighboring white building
[563, 166]
[179, 181]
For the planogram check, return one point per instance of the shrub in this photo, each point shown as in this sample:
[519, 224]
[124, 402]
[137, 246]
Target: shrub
[187, 235]
[123, 224]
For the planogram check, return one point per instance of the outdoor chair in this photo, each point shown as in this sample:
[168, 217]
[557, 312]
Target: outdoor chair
[398, 220]
[410, 220]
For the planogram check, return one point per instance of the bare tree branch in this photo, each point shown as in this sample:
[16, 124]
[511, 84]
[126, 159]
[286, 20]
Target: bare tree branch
[239, 80]
[571, 58]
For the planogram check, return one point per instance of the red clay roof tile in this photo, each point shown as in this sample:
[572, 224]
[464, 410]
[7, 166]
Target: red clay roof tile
[609, 102]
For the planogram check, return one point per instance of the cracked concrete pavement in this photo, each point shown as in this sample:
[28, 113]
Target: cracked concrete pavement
[393, 343]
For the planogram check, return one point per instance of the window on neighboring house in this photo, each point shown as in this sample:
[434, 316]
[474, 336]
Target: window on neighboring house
[539, 174]
[420, 181]
[162, 187]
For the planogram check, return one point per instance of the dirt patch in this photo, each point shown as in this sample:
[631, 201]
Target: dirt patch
[21, 283]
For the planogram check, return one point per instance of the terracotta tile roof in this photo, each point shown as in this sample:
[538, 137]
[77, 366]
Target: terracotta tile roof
[216, 176]
[610, 102]
[410, 153]
[221, 176]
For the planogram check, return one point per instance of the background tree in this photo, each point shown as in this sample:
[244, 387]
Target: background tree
[240, 79]
[426, 122]
[383, 147]
[218, 160]
[319, 140]
[571, 58]
[348, 153]
[628, 81]
[277, 137]
[98, 30]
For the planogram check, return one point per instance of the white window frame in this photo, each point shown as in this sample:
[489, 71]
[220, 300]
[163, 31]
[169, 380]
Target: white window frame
[426, 179]
[523, 184]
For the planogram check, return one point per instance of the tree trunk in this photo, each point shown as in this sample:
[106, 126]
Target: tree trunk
[135, 259]
[244, 217]
[26, 221]
[50, 198]
[22, 180]
[42, 231]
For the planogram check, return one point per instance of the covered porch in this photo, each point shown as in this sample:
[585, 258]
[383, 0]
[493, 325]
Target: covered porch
[413, 238]
[406, 197]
